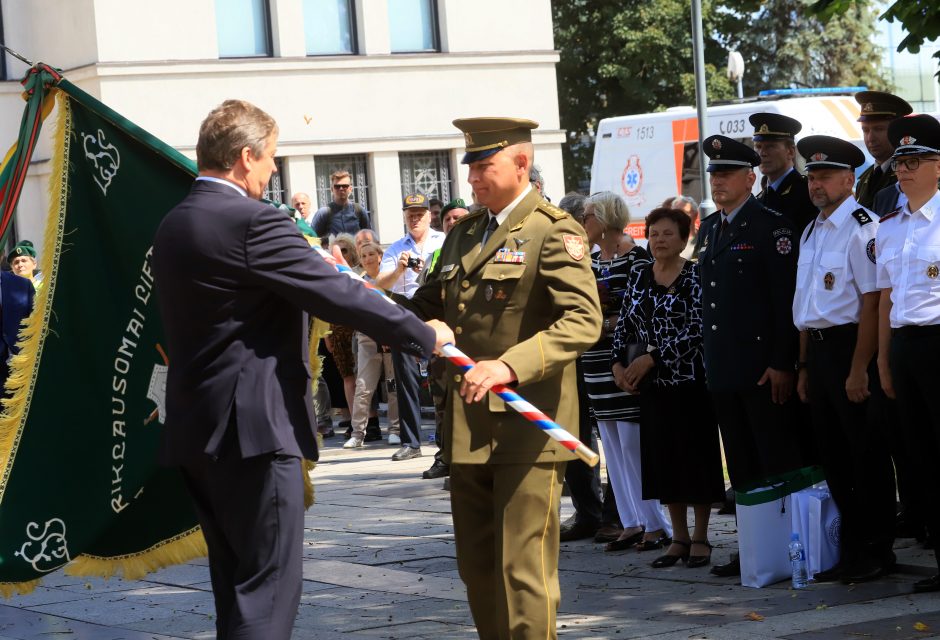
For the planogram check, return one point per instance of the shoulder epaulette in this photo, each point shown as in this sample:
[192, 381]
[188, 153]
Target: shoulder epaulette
[891, 214]
[861, 216]
[551, 210]
[471, 216]
[773, 211]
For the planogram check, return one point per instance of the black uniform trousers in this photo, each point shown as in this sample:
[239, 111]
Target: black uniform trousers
[252, 515]
[915, 352]
[584, 482]
[852, 447]
[408, 384]
[760, 437]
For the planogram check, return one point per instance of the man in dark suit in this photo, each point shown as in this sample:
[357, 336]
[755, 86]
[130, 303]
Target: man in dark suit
[16, 298]
[877, 110]
[236, 280]
[783, 187]
[747, 264]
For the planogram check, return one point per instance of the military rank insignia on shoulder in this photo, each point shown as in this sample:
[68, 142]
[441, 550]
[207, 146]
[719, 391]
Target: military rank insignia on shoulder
[773, 211]
[861, 216]
[552, 211]
[891, 214]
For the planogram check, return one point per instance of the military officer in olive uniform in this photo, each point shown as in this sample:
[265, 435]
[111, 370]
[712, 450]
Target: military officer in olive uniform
[516, 287]
[836, 310]
[878, 109]
[747, 264]
[783, 187]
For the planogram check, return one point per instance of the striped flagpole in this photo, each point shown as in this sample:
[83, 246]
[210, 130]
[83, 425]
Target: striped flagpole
[510, 397]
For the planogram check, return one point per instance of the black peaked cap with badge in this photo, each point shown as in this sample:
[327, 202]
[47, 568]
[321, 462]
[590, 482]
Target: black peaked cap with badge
[774, 126]
[826, 152]
[878, 105]
[915, 135]
[727, 154]
[486, 136]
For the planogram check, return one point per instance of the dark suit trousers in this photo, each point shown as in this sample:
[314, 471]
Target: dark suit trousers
[584, 482]
[408, 383]
[759, 437]
[852, 448]
[252, 515]
[915, 352]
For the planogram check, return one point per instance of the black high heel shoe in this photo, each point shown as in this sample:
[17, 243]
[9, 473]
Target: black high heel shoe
[695, 562]
[668, 560]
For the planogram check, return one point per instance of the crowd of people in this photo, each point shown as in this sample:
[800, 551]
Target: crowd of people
[792, 328]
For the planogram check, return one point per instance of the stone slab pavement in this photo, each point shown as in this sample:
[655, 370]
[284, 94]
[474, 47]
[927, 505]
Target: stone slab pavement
[379, 563]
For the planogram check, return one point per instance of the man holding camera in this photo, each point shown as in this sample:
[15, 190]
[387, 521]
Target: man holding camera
[401, 264]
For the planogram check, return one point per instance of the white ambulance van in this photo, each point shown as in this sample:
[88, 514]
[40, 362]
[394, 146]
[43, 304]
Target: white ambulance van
[650, 157]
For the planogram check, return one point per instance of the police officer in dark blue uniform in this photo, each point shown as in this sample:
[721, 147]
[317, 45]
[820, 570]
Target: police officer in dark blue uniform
[783, 187]
[747, 262]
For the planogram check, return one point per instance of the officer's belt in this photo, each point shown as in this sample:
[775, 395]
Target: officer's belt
[831, 333]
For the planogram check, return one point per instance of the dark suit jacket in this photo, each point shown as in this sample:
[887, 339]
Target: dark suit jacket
[748, 279]
[886, 200]
[235, 280]
[791, 199]
[16, 296]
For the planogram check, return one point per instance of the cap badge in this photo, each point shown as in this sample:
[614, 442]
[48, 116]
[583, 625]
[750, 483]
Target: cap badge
[763, 129]
[468, 139]
[908, 140]
[818, 156]
[716, 144]
[868, 106]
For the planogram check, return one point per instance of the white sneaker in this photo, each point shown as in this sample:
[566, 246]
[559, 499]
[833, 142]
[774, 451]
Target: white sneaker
[393, 439]
[352, 443]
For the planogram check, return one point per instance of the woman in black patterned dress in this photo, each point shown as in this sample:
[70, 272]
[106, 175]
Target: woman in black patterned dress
[681, 457]
[617, 411]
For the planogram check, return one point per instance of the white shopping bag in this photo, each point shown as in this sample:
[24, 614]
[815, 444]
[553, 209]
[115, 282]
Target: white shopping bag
[763, 541]
[816, 518]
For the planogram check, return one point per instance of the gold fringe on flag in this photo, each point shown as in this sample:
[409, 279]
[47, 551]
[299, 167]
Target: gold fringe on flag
[134, 566]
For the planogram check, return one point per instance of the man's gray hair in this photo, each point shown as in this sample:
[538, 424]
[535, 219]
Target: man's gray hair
[573, 203]
[678, 201]
[229, 128]
[535, 175]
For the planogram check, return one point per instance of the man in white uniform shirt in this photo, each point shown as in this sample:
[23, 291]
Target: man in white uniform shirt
[908, 250]
[401, 265]
[835, 307]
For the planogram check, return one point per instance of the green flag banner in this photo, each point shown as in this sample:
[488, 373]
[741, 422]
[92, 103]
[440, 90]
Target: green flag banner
[78, 436]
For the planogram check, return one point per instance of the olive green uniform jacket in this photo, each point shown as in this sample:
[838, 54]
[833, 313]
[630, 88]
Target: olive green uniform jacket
[528, 298]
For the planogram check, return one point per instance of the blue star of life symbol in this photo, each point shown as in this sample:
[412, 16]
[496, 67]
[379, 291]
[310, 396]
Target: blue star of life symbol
[633, 179]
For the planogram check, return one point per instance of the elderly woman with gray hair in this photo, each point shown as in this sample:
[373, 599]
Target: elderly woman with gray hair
[617, 411]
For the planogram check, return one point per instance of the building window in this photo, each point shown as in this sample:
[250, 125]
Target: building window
[413, 26]
[329, 27]
[244, 28]
[276, 191]
[427, 172]
[357, 166]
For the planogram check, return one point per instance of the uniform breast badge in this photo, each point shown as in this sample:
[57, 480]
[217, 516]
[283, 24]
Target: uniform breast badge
[829, 280]
[784, 246]
[933, 271]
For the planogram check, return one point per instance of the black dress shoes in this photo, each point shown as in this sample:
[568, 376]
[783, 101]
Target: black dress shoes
[729, 569]
[608, 533]
[439, 469]
[864, 572]
[928, 585]
[577, 530]
[829, 575]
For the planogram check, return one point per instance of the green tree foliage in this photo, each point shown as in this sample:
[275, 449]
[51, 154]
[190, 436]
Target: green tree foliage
[621, 57]
[920, 18]
[626, 56]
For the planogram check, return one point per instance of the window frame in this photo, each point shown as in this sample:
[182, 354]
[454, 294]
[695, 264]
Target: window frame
[352, 162]
[353, 33]
[268, 33]
[435, 34]
[281, 178]
[441, 157]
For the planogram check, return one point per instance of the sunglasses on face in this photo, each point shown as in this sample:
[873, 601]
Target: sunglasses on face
[341, 186]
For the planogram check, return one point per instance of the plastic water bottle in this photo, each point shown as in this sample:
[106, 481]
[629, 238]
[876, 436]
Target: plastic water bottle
[797, 562]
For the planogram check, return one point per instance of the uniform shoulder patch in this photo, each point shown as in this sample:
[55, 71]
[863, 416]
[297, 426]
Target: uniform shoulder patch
[861, 216]
[471, 216]
[890, 214]
[574, 245]
[870, 251]
[551, 210]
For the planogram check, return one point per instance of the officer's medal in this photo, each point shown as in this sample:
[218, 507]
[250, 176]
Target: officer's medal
[933, 271]
[829, 281]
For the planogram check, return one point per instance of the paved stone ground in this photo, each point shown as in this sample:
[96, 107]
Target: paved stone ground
[379, 564]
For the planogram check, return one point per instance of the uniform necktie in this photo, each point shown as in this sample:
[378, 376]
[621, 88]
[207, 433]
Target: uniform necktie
[724, 227]
[876, 173]
[490, 228]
